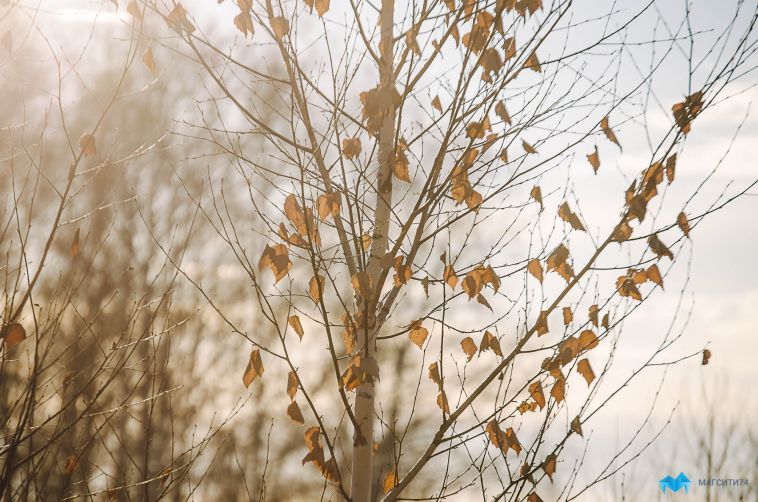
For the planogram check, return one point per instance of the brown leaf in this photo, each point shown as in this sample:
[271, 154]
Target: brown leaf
[535, 390]
[316, 287]
[587, 340]
[593, 312]
[71, 463]
[594, 160]
[490, 342]
[684, 224]
[671, 168]
[584, 369]
[608, 132]
[293, 411]
[277, 259]
[549, 466]
[147, 59]
[13, 334]
[436, 104]
[321, 7]
[351, 147]
[558, 391]
[292, 384]
[434, 374]
[654, 274]
[73, 250]
[244, 23]
[576, 426]
[536, 194]
[497, 436]
[418, 333]
[442, 402]
[294, 322]
[469, 347]
[177, 19]
[686, 111]
[706, 356]
[450, 277]
[533, 497]
[254, 368]
[328, 205]
[533, 63]
[366, 242]
[501, 112]
[134, 10]
[535, 268]
[541, 325]
[567, 316]
[527, 147]
[87, 144]
[659, 248]
[400, 166]
[564, 211]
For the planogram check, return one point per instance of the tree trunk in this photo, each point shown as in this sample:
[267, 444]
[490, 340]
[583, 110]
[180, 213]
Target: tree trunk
[362, 472]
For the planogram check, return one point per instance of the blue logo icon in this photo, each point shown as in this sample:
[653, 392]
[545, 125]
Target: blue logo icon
[675, 484]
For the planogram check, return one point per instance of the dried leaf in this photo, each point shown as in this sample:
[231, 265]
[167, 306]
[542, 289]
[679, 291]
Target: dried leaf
[490, 342]
[293, 411]
[527, 147]
[684, 224]
[71, 463]
[147, 59]
[87, 144]
[536, 194]
[451, 279]
[277, 259]
[442, 402]
[584, 369]
[316, 287]
[134, 10]
[533, 63]
[436, 104]
[587, 340]
[501, 112]
[576, 426]
[13, 334]
[244, 23]
[654, 274]
[535, 268]
[594, 160]
[254, 368]
[659, 248]
[671, 168]
[292, 384]
[706, 356]
[549, 466]
[434, 374]
[535, 390]
[608, 131]
[541, 325]
[351, 147]
[73, 250]
[418, 333]
[593, 312]
[469, 347]
[558, 391]
[294, 322]
[567, 316]
[390, 481]
[564, 211]
[328, 205]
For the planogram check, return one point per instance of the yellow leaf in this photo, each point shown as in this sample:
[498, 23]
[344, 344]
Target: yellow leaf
[390, 480]
[434, 374]
[567, 316]
[281, 26]
[442, 402]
